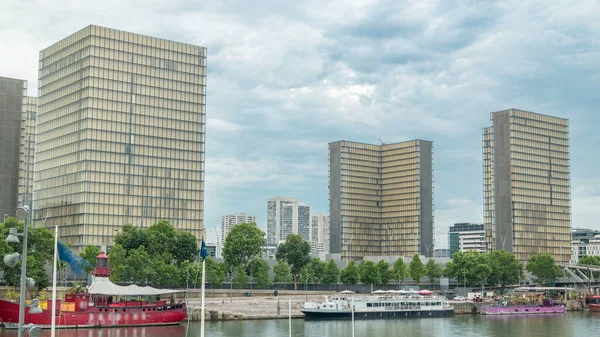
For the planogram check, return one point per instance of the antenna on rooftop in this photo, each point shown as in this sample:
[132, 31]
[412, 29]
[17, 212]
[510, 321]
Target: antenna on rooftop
[382, 142]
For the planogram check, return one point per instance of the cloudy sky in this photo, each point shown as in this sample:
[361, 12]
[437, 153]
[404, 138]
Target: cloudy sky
[286, 79]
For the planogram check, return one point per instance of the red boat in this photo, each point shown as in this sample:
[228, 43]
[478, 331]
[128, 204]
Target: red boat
[103, 304]
[593, 302]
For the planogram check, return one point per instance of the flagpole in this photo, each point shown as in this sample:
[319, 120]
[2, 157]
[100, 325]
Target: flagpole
[203, 254]
[53, 324]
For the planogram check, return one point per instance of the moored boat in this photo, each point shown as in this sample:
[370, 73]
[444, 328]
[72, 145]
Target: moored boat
[103, 304]
[547, 307]
[593, 302]
[379, 305]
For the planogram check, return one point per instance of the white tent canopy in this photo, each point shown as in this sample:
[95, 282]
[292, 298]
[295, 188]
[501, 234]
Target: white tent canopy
[103, 286]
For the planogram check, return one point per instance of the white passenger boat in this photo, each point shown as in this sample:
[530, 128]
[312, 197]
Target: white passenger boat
[379, 305]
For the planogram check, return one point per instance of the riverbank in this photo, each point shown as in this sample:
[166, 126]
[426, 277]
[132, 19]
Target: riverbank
[253, 308]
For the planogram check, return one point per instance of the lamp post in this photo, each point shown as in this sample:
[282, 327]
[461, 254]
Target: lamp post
[23, 214]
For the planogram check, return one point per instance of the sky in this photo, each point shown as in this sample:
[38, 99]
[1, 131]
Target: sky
[286, 78]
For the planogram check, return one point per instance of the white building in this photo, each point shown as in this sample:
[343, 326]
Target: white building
[230, 220]
[287, 216]
[319, 231]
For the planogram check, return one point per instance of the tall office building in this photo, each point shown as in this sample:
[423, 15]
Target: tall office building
[274, 218]
[120, 135]
[319, 230]
[230, 220]
[466, 236]
[527, 193]
[381, 199]
[27, 151]
[12, 93]
[295, 219]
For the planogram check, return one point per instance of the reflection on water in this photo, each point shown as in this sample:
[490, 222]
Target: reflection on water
[158, 331]
[567, 325]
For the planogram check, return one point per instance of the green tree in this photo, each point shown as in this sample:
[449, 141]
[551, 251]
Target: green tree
[318, 268]
[470, 268]
[35, 270]
[307, 275]
[131, 237]
[399, 270]
[433, 271]
[416, 269]
[117, 260]
[331, 274]
[159, 272]
[259, 269]
[186, 247]
[544, 269]
[139, 269]
[244, 242]
[89, 255]
[240, 278]
[505, 269]
[162, 240]
[215, 272]
[351, 274]
[589, 260]
[385, 274]
[282, 273]
[369, 273]
[296, 252]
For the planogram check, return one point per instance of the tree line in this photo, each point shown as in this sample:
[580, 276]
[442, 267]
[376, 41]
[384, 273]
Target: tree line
[164, 256]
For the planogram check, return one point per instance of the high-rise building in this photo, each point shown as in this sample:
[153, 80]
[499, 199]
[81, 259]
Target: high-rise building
[12, 93]
[319, 231]
[381, 199]
[527, 184]
[230, 220]
[27, 151]
[295, 219]
[120, 135]
[466, 236]
[274, 218]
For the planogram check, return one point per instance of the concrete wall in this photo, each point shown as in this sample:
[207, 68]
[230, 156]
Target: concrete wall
[502, 181]
[426, 218]
[335, 196]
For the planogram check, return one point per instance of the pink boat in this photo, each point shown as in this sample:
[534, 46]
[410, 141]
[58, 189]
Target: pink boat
[547, 307]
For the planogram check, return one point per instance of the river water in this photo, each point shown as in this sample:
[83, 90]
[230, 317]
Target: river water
[568, 325]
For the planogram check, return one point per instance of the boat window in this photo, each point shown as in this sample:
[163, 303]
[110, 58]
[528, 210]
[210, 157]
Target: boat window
[369, 305]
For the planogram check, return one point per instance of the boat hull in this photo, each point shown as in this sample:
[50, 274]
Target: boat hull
[96, 317]
[521, 310]
[594, 307]
[310, 314]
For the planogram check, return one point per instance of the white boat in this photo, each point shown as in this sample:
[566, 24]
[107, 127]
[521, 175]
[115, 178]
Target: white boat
[389, 305]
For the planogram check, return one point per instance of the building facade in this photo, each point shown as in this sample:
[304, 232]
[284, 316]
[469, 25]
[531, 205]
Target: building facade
[527, 184]
[275, 205]
[12, 94]
[120, 135]
[580, 242]
[463, 237]
[319, 231]
[27, 147]
[381, 199]
[230, 220]
[295, 219]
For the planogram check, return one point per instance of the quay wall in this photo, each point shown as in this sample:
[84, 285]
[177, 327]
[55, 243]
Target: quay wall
[266, 308]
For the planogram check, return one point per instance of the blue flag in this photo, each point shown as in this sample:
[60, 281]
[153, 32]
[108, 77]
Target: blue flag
[76, 262]
[203, 252]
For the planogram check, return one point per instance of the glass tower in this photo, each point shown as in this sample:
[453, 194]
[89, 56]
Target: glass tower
[120, 135]
[527, 184]
[12, 93]
[28, 118]
[381, 199]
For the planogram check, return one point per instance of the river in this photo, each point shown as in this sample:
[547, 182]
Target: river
[575, 324]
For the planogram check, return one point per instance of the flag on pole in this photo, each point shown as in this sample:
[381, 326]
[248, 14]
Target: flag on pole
[203, 252]
[76, 262]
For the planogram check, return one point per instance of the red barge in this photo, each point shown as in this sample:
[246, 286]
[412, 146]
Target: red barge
[103, 304]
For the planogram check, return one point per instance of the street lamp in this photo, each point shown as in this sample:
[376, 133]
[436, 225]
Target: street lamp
[11, 261]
